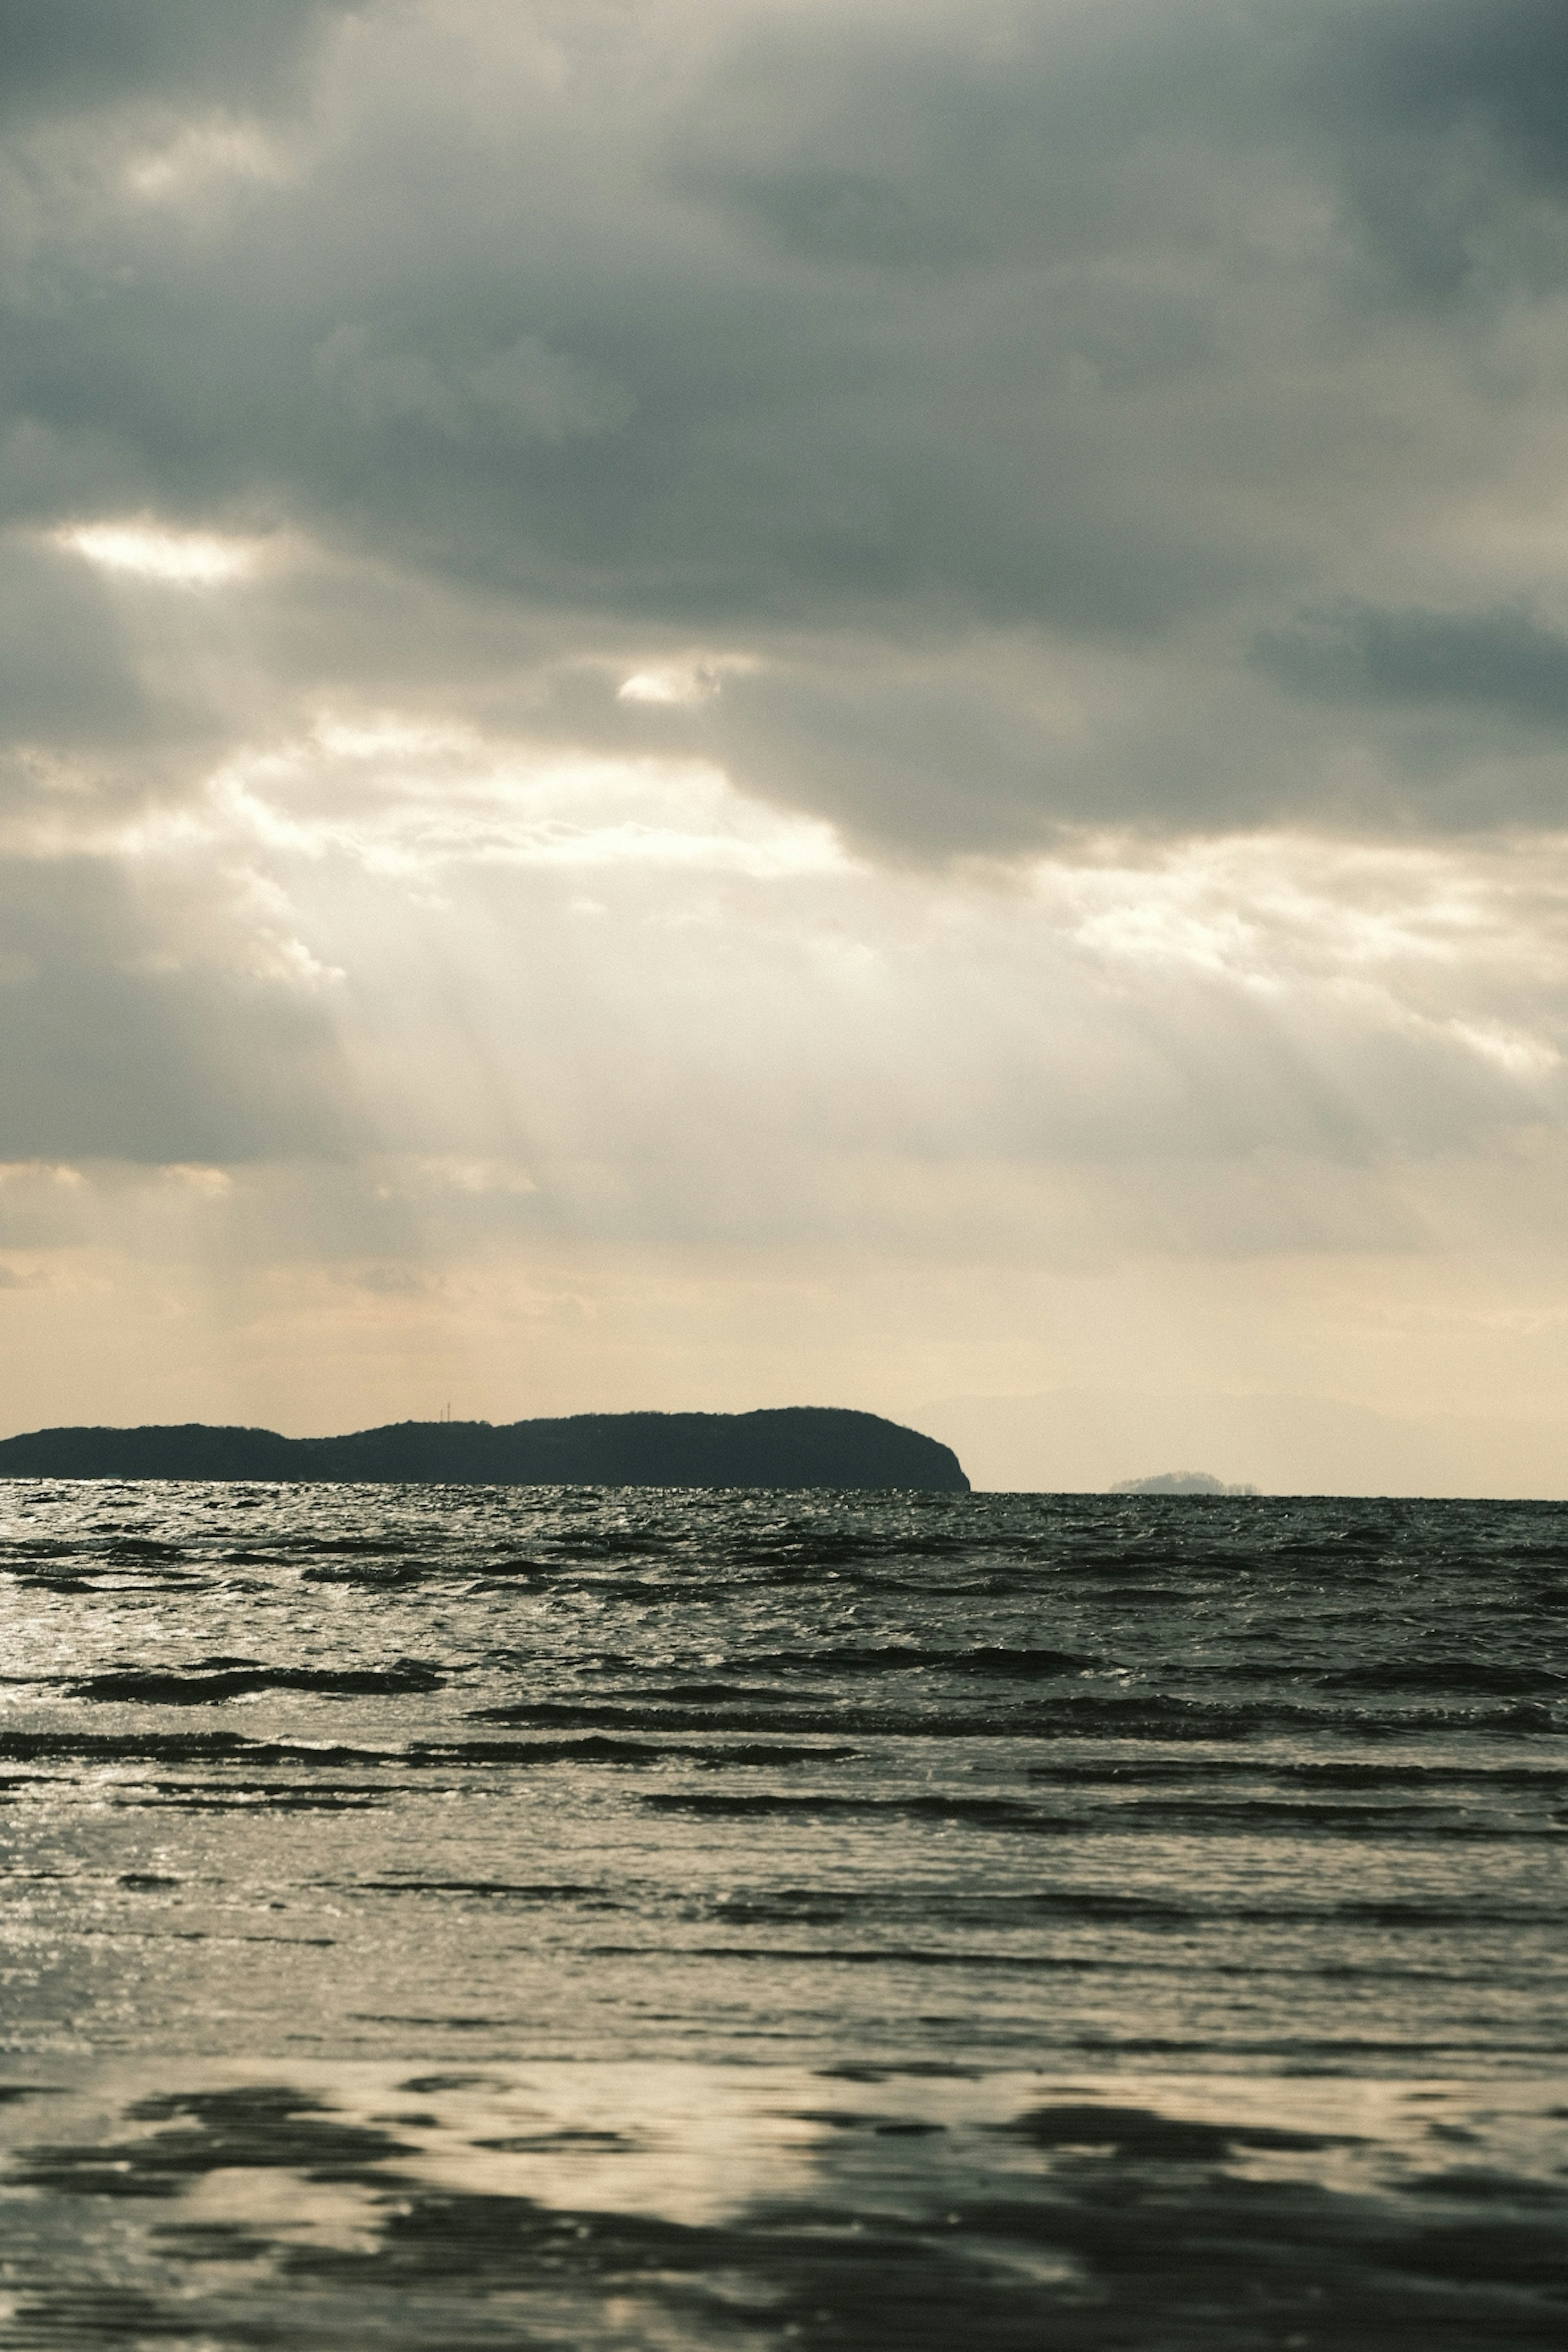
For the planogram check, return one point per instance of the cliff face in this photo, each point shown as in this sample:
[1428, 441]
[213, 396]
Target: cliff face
[800, 1445]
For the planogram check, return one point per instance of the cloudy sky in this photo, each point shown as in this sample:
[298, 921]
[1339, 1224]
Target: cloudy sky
[724, 702]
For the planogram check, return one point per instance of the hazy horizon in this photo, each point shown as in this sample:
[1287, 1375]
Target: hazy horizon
[716, 706]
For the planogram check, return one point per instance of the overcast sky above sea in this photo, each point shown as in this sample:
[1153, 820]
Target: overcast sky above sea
[708, 704]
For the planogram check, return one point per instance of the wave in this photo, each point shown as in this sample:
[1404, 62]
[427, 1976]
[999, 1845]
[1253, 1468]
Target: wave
[1489, 1675]
[1143, 2133]
[1081, 1716]
[898, 1657]
[226, 1748]
[206, 1682]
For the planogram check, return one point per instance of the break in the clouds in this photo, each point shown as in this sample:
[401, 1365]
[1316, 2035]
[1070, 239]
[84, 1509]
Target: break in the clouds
[683, 661]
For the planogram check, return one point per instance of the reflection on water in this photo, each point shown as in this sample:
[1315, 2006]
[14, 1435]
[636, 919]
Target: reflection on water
[668, 2205]
[443, 1916]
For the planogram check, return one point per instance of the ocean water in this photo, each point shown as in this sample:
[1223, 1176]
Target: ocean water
[458, 1916]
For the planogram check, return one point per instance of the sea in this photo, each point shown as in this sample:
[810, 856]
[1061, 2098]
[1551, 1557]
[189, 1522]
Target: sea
[442, 1917]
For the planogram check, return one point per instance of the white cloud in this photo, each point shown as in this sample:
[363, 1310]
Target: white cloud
[37, 1171]
[202, 155]
[682, 686]
[414, 801]
[204, 1183]
[171, 558]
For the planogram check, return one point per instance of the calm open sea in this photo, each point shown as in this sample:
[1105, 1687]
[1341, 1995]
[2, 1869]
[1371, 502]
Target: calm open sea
[481, 1917]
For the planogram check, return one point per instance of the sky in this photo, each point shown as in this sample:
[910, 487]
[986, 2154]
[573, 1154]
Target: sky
[720, 703]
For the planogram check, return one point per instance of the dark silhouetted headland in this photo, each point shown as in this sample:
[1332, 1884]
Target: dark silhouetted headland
[801, 1445]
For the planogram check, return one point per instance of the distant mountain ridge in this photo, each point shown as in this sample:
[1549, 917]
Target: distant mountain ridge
[794, 1445]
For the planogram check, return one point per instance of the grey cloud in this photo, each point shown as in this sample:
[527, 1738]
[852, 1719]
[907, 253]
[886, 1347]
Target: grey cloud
[1044, 325]
[111, 1048]
[540, 392]
[396, 1281]
[891, 754]
[1000, 137]
[531, 390]
[1503, 661]
[1445, 107]
[792, 441]
[66, 675]
[108, 699]
[832, 215]
[1052, 135]
[81, 52]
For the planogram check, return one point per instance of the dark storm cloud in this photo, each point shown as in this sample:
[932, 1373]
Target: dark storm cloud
[1435, 64]
[1450, 112]
[1499, 661]
[1080, 333]
[82, 52]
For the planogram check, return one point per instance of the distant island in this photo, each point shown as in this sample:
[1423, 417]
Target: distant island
[799, 1445]
[1179, 1482]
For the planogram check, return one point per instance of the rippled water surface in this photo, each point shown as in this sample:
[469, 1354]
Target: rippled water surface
[447, 1917]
